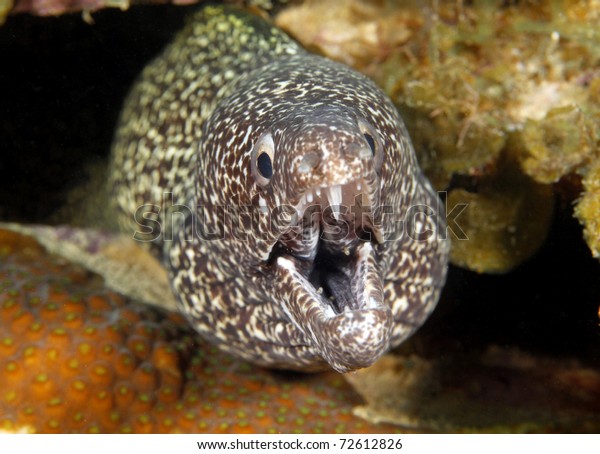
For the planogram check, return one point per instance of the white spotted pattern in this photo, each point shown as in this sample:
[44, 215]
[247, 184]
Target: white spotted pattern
[187, 130]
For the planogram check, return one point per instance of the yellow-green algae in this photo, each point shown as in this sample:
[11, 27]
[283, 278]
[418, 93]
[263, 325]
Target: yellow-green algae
[5, 7]
[588, 207]
[504, 220]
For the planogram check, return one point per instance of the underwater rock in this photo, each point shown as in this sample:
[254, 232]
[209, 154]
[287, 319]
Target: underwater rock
[558, 144]
[502, 390]
[125, 267]
[506, 218]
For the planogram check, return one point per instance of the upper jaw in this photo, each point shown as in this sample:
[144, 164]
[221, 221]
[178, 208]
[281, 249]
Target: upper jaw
[352, 203]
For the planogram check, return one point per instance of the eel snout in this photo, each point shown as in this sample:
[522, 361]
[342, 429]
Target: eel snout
[330, 281]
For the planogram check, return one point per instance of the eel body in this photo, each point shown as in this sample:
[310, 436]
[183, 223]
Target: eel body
[282, 192]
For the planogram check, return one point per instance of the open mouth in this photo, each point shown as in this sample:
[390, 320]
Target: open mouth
[328, 267]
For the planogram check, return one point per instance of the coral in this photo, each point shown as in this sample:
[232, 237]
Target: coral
[556, 145]
[503, 220]
[57, 7]
[477, 82]
[588, 208]
[78, 358]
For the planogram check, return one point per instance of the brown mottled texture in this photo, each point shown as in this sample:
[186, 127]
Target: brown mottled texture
[77, 358]
[282, 191]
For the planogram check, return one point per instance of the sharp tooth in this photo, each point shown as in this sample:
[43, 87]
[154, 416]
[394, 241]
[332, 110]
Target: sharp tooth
[373, 303]
[358, 186]
[301, 206]
[334, 197]
[378, 236]
[309, 197]
[318, 192]
[263, 205]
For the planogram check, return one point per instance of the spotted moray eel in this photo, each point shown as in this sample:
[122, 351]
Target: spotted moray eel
[281, 191]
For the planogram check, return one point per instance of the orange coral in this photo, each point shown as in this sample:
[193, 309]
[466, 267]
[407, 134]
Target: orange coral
[75, 357]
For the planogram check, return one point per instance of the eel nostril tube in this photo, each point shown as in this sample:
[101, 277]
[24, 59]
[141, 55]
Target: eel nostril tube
[355, 150]
[309, 162]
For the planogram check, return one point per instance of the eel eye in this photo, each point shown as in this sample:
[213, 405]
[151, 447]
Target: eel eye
[373, 139]
[261, 160]
[370, 141]
[264, 165]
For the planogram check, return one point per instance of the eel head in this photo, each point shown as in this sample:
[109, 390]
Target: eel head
[319, 180]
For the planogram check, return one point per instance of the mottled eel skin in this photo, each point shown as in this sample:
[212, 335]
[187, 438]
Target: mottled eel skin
[282, 192]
